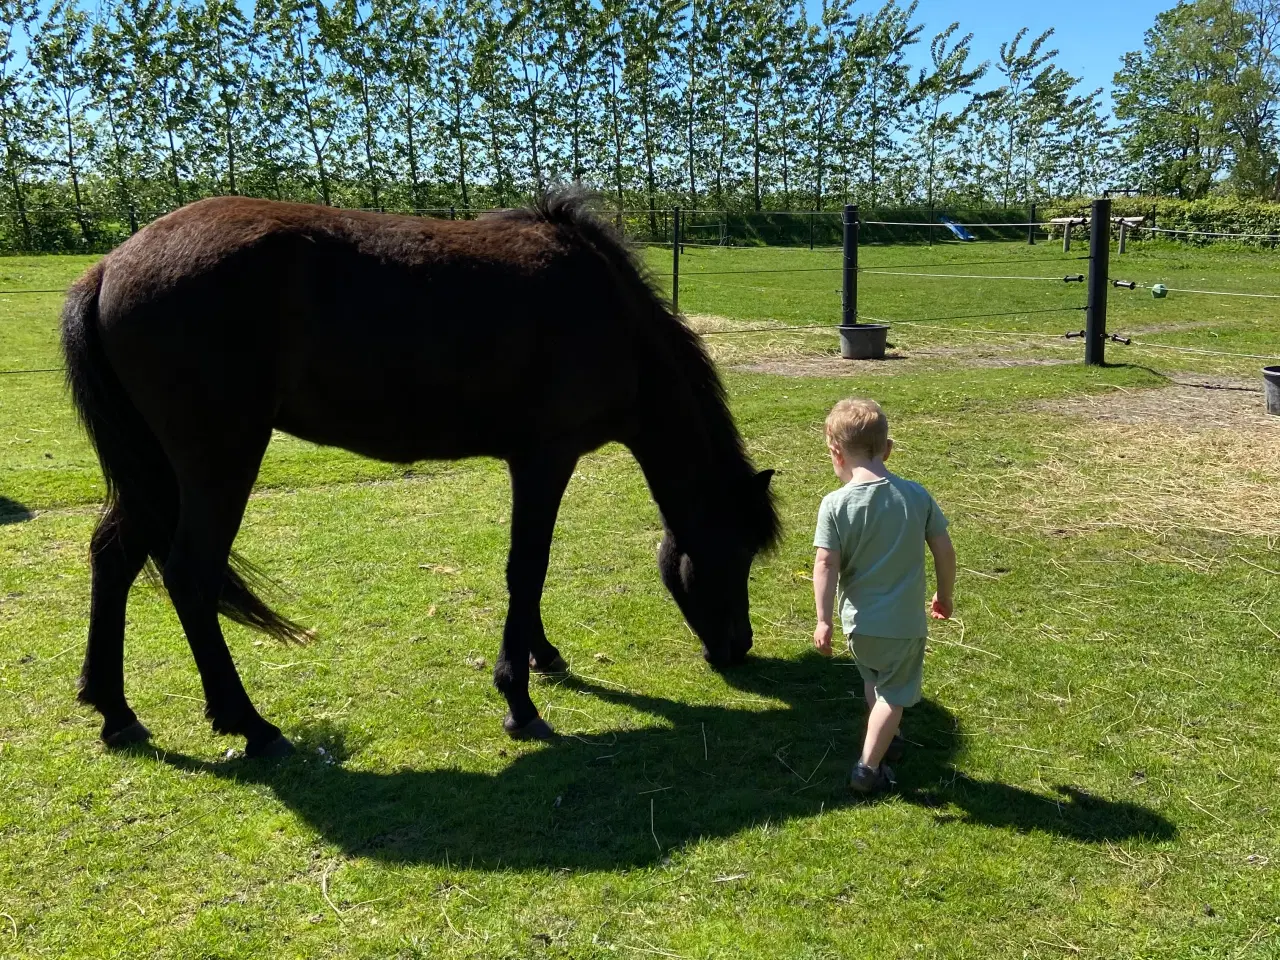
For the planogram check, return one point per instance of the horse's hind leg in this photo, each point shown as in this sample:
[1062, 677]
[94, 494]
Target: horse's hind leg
[118, 552]
[544, 658]
[537, 484]
[213, 500]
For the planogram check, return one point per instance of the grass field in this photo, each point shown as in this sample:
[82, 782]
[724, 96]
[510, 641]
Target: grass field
[1092, 774]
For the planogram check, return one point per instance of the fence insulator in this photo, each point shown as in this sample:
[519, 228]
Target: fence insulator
[1127, 284]
[1072, 334]
[1074, 278]
[1116, 338]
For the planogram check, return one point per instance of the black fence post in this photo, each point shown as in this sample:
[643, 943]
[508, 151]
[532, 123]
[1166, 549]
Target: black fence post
[1095, 326]
[675, 260]
[849, 301]
[811, 232]
[1031, 227]
[452, 213]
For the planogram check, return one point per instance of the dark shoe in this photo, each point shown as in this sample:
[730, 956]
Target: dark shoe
[897, 746]
[869, 782]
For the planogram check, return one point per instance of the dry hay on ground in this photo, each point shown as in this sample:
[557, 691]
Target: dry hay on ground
[741, 343]
[1199, 456]
[771, 347]
[1190, 400]
[823, 367]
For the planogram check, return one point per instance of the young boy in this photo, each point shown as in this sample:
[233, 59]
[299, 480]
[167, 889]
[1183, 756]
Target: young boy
[871, 536]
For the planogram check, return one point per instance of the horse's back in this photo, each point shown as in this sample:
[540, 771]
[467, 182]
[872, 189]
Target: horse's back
[398, 337]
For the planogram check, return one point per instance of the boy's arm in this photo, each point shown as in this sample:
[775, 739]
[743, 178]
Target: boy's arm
[826, 573]
[944, 563]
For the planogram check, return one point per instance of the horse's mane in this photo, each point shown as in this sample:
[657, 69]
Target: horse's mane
[572, 210]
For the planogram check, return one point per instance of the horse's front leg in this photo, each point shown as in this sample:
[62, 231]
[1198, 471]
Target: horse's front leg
[538, 482]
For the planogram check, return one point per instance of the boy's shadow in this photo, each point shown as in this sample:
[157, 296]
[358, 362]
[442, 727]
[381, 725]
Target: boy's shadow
[625, 797]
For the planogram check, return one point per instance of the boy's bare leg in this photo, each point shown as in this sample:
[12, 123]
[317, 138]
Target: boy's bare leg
[869, 691]
[882, 724]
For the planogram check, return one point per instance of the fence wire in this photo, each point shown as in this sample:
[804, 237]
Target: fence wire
[1073, 278]
[1209, 233]
[947, 226]
[1208, 293]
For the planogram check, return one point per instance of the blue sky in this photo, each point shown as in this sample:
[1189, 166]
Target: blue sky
[1091, 35]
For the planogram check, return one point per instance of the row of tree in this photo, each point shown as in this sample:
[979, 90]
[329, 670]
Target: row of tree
[143, 105]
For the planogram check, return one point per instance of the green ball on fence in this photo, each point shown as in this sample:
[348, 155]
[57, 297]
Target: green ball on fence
[1159, 291]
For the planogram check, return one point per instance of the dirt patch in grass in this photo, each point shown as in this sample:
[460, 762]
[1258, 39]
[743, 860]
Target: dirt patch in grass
[1189, 403]
[898, 360]
[824, 367]
[1198, 456]
[783, 350]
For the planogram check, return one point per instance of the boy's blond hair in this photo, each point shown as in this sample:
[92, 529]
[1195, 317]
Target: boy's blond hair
[858, 426]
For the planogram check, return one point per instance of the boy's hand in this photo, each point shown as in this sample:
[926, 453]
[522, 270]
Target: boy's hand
[939, 609]
[822, 638]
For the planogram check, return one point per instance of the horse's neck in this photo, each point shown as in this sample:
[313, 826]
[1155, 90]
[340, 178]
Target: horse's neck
[692, 477]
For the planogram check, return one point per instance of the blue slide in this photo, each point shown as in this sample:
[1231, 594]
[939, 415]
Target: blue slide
[957, 229]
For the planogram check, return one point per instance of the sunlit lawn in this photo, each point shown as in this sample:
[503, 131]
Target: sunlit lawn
[1092, 773]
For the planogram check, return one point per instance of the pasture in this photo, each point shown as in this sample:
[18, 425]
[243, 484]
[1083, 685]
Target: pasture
[1092, 774]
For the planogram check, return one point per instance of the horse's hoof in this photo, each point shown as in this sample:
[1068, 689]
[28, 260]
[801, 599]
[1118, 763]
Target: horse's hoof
[272, 749]
[126, 736]
[535, 729]
[556, 666]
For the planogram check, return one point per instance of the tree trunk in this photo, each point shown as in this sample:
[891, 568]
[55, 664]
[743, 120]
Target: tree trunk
[231, 156]
[820, 163]
[413, 154]
[126, 195]
[462, 143]
[534, 130]
[689, 104]
[497, 162]
[173, 153]
[19, 201]
[575, 113]
[311, 123]
[617, 135]
[755, 146]
[368, 141]
[650, 182]
[72, 172]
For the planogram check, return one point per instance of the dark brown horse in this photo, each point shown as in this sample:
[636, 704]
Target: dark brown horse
[532, 336]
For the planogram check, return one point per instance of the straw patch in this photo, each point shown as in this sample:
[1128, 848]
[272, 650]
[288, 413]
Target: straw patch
[1185, 458]
[742, 344]
[767, 346]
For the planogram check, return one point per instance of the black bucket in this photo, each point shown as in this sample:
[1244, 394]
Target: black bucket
[1271, 382]
[863, 341]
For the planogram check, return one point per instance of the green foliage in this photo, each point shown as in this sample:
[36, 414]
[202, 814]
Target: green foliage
[1200, 101]
[1218, 214]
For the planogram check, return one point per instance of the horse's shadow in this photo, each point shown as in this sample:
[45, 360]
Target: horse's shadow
[626, 797]
[11, 511]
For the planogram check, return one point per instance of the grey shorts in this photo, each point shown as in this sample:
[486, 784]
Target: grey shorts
[894, 667]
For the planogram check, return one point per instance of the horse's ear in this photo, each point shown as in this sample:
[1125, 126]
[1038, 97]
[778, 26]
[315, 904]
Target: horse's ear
[763, 478]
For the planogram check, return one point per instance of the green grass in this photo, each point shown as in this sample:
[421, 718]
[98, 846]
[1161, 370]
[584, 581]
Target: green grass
[1093, 770]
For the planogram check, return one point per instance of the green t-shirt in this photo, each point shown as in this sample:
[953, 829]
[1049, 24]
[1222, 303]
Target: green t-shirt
[880, 529]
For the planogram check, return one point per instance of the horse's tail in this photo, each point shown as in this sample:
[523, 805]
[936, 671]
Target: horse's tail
[140, 481]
